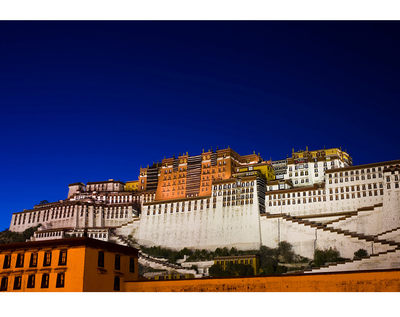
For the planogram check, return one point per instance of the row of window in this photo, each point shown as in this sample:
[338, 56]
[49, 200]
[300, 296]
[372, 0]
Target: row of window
[300, 166]
[357, 172]
[221, 262]
[225, 203]
[62, 259]
[355, 188]
[48, 234]
[234, 185]
[238, 197]
[60, 281]
[117, 262]
[34, 217]
[296, 194]
[331, 197]
[234, 192]
[353, 178]
[237, 203]
[396, 178]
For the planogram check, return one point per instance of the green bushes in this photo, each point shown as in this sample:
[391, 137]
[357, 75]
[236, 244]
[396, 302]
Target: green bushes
[269, 258]
[193, 255]
[324, 256]
[232, 269]
[7, 236]
[360, 253]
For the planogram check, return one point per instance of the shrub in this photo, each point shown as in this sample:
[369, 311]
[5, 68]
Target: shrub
[323, 256]
[360, 253]
[8, 236]
[286, 252]
[232, 269]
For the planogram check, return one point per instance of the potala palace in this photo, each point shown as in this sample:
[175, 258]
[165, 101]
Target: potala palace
[313, 200]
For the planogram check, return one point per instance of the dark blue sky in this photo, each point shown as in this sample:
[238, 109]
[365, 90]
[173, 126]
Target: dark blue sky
[88, 101]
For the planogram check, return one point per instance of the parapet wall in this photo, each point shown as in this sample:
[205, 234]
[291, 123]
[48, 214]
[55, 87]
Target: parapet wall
[373, 281]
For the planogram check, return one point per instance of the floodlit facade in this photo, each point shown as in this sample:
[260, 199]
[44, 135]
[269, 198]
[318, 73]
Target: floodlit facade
[313, 200]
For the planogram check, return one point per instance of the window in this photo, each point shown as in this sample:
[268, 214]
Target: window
[33, 260]
[17, 282]
[31, 281]
[62, 258]
[45, 281]
[7, 261]
[132, 265]
[20, 260]
[4, 283]
[116, 283]
[117, 263]
[100, 259]
[47, 259]
[60, 279]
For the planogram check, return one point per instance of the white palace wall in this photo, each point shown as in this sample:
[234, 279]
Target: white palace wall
[173, 225]
[72, 214]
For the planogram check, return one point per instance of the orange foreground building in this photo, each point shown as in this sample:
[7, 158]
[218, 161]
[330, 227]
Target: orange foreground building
[67, 265]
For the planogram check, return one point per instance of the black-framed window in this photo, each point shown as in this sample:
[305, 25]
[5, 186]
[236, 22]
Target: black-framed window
[60, 280]
[4, 283]
[33, 260]
[7, 261]
[20, 260]
[100, 259]
[132, 265]
[47, 258]
[31, 281]
[117, 263]
[116, 283]
[17, 282]
[62, 259]
[45, 281]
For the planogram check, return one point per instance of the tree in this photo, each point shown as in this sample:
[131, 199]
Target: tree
[232, 269]
[225, 251]
[323, 256]
[217, 270]
[360, 253]
[285, 251]
[233, 251]
[8, 236]
[43, 202]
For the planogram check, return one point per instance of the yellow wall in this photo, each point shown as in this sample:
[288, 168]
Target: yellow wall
[266, 170]
[328, 152]
[131, 186]
[73, 270]
[384, 281]
[102, 279]
[238, 260]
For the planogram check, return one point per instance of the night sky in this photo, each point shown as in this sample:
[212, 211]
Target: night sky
[89, 101]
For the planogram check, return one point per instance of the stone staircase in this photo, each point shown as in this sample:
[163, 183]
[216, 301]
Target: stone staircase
[147, 260]
[383, 260]
[387, 232]
[350, 241]
[352, 214]
[352, 234]
[128, 223]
